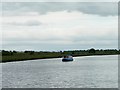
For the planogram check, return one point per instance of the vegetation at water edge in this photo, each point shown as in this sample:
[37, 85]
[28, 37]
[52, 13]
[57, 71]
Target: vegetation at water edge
[8, 56]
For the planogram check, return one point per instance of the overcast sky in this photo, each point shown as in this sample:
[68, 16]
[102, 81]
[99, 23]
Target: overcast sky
[59, 25]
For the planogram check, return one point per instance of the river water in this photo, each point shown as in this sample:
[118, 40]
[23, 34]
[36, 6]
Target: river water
[83, 72]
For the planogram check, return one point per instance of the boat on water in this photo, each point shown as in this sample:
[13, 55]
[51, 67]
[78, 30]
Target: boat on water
[67, 58]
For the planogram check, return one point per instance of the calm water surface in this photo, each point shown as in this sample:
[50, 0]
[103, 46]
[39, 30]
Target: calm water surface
[83, 72]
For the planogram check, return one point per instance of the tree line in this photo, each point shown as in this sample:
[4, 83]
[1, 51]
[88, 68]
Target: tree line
[72, 52]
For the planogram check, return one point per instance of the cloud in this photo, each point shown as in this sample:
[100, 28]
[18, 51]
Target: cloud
[59, 25]
[31, 45]
[60, 30]
[28, 23]
[21, 8]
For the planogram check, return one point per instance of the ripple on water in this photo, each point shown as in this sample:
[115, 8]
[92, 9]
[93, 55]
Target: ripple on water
[83, 72]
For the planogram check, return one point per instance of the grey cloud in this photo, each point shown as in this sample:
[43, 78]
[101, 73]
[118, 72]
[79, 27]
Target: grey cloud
[29, 23]
[23, 45]
[99, 8]
[96, 38]
[80, 42]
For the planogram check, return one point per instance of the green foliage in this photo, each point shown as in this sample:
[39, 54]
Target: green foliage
[92, 50]
[30, 52]
[8, 56]
[6, 53]
[14, 51]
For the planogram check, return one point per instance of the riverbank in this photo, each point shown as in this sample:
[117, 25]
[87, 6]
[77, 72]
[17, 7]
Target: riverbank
[26, 59]
[10, 56]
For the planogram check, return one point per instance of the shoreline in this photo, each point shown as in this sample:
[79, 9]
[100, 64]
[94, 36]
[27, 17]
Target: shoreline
[54, 57]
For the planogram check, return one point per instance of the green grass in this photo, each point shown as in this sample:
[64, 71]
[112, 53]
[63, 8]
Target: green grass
[20, 56]
[27, 56]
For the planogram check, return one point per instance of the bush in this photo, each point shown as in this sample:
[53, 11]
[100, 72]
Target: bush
[6, 53]
[92, 50]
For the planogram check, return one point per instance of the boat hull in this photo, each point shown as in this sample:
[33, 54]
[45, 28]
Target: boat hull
[67, 59]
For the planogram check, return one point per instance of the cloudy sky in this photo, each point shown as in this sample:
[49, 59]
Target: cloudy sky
[59, 25]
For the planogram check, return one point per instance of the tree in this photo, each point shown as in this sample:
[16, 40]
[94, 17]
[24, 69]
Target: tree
[14, 51]
[92, 50]
[31, 52]
[6, 53]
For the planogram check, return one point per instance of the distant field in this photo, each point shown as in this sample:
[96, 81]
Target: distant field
[27, 56]
[8, 56]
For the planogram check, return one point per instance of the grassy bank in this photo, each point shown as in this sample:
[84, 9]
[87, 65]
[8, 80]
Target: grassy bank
[9, 56]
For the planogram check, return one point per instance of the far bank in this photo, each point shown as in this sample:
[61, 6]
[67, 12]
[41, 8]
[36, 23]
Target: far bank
[10, 56]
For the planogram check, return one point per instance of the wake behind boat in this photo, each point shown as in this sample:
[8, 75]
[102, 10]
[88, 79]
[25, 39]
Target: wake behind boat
[67, 58]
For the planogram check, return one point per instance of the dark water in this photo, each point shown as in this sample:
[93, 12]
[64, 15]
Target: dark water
[83, 72]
